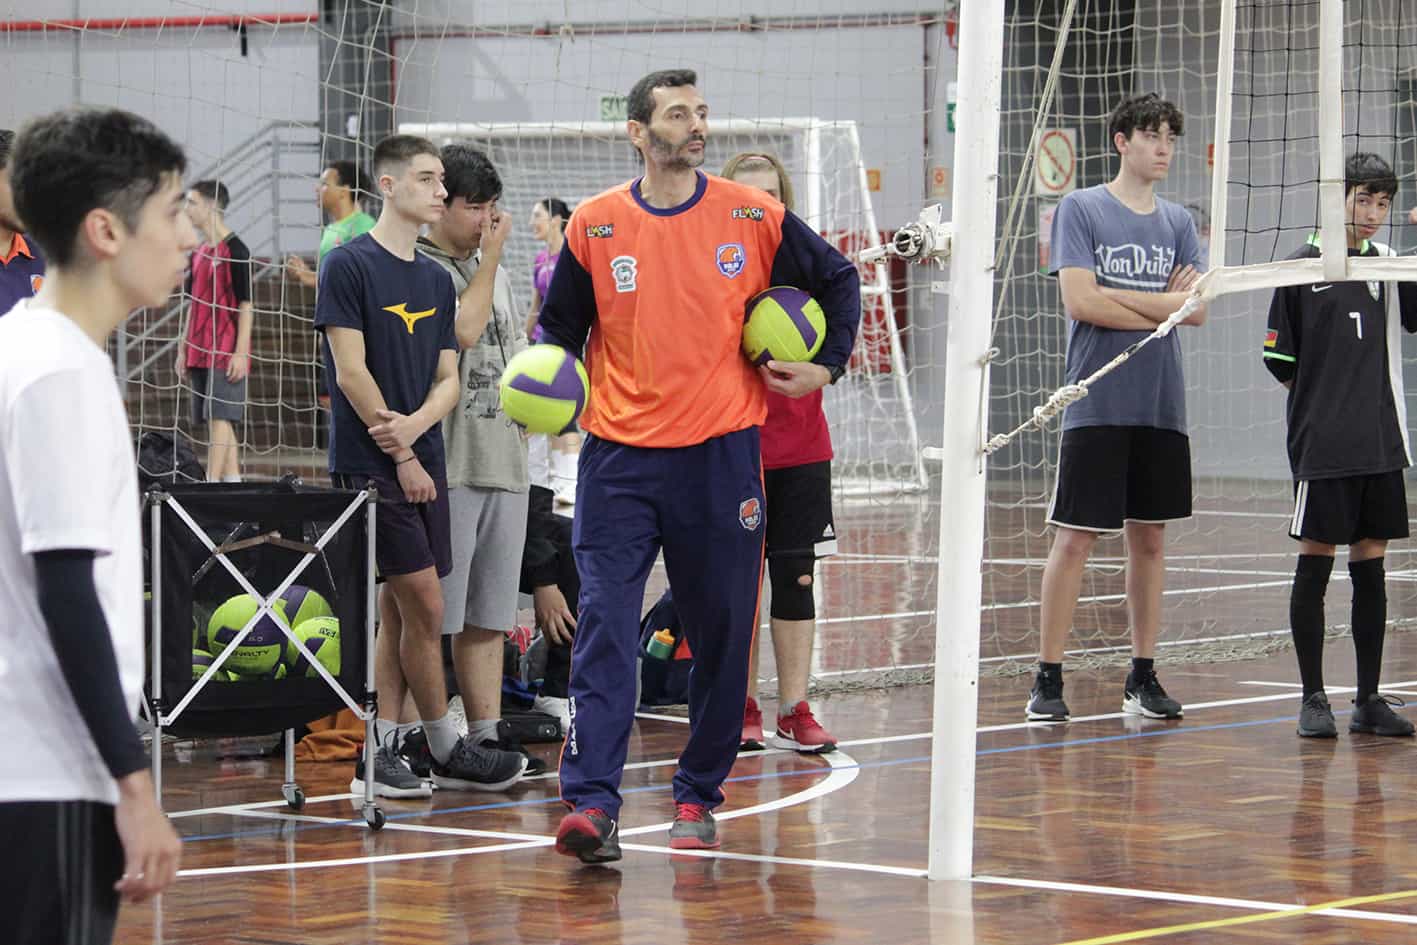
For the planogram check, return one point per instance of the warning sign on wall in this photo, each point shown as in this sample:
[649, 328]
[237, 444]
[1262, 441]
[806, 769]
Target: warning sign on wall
[1055, 164]
[939, 181]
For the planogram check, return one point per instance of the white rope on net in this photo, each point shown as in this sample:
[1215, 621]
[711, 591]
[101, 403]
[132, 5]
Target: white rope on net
[1072, 393]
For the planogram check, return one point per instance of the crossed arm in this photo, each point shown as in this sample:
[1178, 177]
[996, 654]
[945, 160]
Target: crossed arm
[394, 432]
[1125, 309]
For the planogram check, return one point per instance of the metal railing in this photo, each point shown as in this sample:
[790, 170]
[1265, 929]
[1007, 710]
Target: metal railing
[272, 204]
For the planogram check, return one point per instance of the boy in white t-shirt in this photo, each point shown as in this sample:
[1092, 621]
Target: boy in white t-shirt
[101, 191]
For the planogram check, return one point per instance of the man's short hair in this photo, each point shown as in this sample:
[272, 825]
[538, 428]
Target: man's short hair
[469, 173]
[1144, 113]
[397, 150]
[73, 161]
[349, 176]
[213, 190]
[640, 106]
[7, 142]
[1367, 170]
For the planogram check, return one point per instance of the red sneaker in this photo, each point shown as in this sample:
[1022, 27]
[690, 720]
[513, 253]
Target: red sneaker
[693, 828]
[799, 730]
[752, 739]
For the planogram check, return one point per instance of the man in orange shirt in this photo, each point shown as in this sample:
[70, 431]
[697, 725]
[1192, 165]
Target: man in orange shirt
[656, 273]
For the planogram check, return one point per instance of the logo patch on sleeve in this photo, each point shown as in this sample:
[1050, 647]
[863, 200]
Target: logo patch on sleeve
[730, 259]
[600, 231]
[1271, 338]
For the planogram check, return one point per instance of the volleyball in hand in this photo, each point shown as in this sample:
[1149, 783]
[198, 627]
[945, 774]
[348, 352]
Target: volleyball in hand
[545, 388]
[784, 324]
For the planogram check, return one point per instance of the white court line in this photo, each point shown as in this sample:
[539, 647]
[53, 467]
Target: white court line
[1255, 905]
[781, 860]
[844, 770]
[256, 805]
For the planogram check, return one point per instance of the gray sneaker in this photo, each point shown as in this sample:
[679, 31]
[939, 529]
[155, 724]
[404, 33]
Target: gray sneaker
[1375, 717]
[473, 767]
[693, 828]
[392, 776]
[1316, 717]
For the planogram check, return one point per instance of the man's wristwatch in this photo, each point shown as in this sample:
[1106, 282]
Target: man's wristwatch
[836, 371]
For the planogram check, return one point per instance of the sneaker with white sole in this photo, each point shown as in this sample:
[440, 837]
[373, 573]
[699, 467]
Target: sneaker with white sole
[473, 767]
[1146, 698]
[392, 776]
[800, 731]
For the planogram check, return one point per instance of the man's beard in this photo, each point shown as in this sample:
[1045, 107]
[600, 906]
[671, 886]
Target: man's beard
[669, 155]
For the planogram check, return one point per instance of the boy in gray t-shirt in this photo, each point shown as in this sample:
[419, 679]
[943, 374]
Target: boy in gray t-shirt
[487, 455]
[1125, 260]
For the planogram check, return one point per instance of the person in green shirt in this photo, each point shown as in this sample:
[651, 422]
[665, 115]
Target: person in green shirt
[340, 186]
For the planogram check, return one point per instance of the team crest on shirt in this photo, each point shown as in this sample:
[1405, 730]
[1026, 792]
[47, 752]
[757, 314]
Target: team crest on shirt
[1375, 289]
[36, 283]
[625, 271]
[730, 259]
[750, 514]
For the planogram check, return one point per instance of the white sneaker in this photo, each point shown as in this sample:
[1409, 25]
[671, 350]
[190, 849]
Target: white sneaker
[556, 708]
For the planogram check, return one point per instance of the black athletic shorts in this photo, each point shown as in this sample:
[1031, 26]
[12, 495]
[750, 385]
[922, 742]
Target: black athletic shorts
[407, 537]
[799, 508]
[56, 886]
[1108, 476]
[1349, 509]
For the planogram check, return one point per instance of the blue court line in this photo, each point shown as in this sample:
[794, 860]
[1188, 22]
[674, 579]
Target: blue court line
[297, 826]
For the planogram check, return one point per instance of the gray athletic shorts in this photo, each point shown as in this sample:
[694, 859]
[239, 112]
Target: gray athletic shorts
[489, 532]
[214, 397]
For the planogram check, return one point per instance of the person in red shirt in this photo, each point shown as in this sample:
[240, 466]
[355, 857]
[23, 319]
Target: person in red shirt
[797, 453]
[652, 283]
[216, 355]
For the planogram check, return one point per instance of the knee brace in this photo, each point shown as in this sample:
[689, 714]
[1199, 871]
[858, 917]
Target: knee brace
[791, 579]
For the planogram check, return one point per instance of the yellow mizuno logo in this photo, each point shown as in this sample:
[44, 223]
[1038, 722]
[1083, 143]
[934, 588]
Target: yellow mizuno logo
[401, 310]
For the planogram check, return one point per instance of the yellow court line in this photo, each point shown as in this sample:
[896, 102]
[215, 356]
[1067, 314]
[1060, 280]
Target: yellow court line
[1243, 920]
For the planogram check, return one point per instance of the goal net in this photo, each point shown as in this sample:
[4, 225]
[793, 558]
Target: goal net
[1301, 87]
[870, 411]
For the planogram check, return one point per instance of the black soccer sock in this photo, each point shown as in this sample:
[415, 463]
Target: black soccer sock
[1142, 667]
[1369, 622]
[1306, 618]
[1051, 670]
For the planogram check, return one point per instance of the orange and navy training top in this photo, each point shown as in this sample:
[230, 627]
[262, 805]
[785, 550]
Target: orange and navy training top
[661, 295]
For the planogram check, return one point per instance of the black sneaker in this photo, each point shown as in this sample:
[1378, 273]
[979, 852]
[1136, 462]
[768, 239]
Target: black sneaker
[1045, 701]
[1375, 717]
[589, 835]
[473, 767]
[392, 776]
[1146, 698]
[508, 742]
[416, 752]
[1316, 718]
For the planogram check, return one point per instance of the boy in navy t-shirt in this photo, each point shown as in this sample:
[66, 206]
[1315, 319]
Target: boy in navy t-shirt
[387, 314]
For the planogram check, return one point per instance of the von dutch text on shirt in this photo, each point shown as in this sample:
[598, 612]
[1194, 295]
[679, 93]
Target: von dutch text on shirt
[1136, 266]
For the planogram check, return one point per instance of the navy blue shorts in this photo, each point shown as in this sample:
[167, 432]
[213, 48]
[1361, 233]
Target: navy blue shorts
[408, 537]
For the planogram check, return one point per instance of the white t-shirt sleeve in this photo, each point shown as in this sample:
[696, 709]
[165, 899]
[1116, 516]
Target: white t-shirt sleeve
[55, 429]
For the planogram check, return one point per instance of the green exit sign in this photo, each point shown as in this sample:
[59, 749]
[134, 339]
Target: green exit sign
[613, 108]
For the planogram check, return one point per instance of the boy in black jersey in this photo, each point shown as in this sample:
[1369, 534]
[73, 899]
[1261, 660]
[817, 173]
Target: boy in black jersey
[1336, 347]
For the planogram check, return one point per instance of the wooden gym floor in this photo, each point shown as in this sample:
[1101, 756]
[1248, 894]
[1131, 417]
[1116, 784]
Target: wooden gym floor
[1223, 827]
